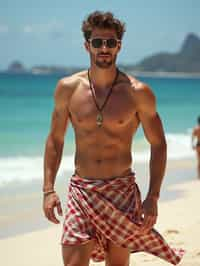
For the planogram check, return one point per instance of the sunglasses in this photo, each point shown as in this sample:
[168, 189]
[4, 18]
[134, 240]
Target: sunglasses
[98, 42]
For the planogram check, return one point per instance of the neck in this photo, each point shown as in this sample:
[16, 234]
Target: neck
[102, 78]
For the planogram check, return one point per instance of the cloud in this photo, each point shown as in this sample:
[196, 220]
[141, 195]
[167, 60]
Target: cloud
[56, 35]
[3, 29]
[54, 29]
[27, 29]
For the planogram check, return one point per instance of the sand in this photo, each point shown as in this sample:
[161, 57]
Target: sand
[178, 222]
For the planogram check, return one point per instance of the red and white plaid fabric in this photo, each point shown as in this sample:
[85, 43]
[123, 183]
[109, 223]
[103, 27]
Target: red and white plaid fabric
[105, 210]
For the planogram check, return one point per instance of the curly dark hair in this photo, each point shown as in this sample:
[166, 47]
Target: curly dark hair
[102, 20]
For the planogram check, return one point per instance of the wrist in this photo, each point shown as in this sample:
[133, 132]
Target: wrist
[48, 187]
[48, 192]
[153, 196]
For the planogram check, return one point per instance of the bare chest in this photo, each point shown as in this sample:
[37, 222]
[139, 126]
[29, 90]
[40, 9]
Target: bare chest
[118, 110]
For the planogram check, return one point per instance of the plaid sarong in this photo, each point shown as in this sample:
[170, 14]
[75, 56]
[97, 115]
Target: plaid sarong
[105, 210]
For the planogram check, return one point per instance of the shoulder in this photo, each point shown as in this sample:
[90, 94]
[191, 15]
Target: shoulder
[142, 94]
[196, 130]
[67, 85]
[142, 91]
[138, 88]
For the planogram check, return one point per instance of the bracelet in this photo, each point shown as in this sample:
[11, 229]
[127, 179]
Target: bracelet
[154, 197]
[48, 192]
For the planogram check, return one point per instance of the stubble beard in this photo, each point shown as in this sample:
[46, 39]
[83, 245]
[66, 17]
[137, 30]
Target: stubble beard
[104, 63]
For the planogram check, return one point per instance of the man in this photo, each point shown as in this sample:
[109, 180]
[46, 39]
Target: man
[105, 218]
[196, 144]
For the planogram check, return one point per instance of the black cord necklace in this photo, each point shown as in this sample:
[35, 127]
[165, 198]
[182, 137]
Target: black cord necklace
[99, 118]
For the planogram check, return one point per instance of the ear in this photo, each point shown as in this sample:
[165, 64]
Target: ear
[119, 46]
[87, 46]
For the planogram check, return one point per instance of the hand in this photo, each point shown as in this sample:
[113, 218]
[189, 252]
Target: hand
[149, 214]
[49, 203]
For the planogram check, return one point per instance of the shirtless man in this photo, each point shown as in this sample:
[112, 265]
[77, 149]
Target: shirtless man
[196, 144]
[105, 107]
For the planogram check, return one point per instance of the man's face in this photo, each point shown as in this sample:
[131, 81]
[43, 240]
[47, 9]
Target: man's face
[105, 54]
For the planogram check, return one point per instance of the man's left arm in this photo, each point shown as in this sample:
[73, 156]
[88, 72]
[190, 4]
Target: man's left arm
[153, 130]
[193, 139]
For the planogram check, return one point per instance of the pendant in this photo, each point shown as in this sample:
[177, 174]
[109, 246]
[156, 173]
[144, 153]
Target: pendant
[99, 119]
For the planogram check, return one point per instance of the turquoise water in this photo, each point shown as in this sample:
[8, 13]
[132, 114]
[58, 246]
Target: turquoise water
[178, 102]
[26, 104]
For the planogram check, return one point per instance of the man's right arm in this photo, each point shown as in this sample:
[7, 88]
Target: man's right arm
[54, 149]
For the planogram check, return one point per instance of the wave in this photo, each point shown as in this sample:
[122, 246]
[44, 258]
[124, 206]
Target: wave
[25, 169]
[178, 147]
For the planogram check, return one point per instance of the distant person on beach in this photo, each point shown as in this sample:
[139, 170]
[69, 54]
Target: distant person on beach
[105, 218]
[196, 144]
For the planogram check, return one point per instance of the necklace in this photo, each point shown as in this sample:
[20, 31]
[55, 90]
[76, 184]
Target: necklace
[99, 118]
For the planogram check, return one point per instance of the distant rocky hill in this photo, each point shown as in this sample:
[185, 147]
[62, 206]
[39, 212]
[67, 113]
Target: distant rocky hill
[185, 60]
[16, 67]
[54, 69]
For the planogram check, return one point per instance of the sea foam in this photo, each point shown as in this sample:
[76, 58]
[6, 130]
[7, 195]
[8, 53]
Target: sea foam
[25, 169]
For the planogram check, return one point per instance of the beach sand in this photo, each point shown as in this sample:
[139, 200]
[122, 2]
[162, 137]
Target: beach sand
[178, 222]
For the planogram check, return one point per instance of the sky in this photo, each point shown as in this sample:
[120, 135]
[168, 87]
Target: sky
[49, 32]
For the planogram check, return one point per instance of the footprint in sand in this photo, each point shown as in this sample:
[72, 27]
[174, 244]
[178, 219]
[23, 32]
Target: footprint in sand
[196, 254]
[172, 231]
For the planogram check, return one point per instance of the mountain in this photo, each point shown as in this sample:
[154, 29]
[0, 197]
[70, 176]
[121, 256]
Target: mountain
[16, 67]
[187, 59]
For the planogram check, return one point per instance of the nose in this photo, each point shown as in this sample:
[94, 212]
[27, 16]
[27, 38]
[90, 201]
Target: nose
[104, 45]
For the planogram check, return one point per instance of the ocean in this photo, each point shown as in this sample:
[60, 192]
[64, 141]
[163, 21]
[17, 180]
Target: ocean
[26, 104]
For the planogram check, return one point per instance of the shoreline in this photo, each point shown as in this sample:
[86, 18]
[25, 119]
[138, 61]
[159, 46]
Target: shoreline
[164, 74]
[153, 74]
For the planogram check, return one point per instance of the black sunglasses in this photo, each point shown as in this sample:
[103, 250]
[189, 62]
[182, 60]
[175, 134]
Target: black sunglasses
[98, 42]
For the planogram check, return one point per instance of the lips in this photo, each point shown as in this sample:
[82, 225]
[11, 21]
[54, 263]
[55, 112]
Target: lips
[104, 55]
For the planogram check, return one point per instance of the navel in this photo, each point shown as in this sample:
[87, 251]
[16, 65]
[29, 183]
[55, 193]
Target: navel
[79, 120]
